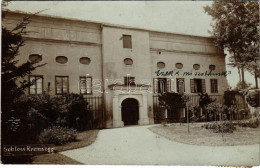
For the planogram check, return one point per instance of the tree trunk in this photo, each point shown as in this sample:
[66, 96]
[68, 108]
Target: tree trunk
[256, 82]
[239, 74]
[243, 78]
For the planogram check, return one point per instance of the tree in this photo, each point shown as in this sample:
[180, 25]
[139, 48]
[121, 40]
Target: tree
[13, 75]
[236, 28]
[246, 86]
[172, 101]
[13, 82]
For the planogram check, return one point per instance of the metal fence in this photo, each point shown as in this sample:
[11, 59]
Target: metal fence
[96, 106]
[178, 114]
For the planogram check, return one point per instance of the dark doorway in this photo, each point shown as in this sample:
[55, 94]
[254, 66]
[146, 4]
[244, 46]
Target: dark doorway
[130, 112]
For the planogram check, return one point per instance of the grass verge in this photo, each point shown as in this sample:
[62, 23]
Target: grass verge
[205, 137]
[83, 139]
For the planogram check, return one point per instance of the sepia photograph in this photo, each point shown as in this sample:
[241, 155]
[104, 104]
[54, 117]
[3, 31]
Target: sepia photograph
[158, 83]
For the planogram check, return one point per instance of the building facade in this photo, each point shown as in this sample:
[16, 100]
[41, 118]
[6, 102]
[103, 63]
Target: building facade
[125, 66]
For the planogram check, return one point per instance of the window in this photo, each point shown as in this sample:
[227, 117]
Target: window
[197, 86]
[84, 60]
[196, 66]
[35, 58]
[62, 84]
[129, 80]
[212, 67]
[214, 85]
[85, 85]
[127, 41]
[61, 59]
[160, 64]
[161, 85]
[180, 85]
[128, 61]
[37, 86]
[179, 65]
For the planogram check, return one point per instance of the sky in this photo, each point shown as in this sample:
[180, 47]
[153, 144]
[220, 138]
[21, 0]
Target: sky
[185, 17]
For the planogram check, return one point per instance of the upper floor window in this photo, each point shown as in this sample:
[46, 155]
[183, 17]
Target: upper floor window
[127, 41]
[180, 85]
[161, 85]
[35, 58]
[212, 67]
[37, 84]
[197, 86]
[84, 60]
[179, 65]
[161, 65]
[128, 61]
[61, 59]
[85, 85]
[214, 85]
[129, 80]
[196, 66]
[62, 85]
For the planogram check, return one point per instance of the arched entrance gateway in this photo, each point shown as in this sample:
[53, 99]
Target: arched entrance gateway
[130, 111]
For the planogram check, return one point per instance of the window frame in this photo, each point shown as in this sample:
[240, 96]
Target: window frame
[86, 93]
[58, 76]
[41, 76]
[125, 41]
[167, 85]
[214, 87]
[129, 78]
[203, 82]
[177, 86]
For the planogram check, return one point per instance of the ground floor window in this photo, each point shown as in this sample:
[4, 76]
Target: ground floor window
[37, 84]
[214, 85]
[62, 85]
[85, 85]
[180, 85]
[161, 85]
[197, 86]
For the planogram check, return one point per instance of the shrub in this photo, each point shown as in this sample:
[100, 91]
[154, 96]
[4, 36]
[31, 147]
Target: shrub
[205, 100]
[253, 123]
[216, 110]
[194, 113]
[230, 97]
[224, 127]
[57, 135]
[253, 98]
[73, 111]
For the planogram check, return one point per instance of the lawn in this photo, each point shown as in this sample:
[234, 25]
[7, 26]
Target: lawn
[205, 137]
[84, 138]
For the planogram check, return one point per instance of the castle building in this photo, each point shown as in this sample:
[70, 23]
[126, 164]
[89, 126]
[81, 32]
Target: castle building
[117, 68]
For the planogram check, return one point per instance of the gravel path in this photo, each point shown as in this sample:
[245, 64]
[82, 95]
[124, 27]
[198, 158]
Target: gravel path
[137, 145]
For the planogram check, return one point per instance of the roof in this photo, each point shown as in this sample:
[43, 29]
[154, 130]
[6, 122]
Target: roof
[103, 23]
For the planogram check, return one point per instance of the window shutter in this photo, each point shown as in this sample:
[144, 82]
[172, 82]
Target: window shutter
[203, 85]
[192, 86]
[216, 85]
[211, 86]
[172, 85]
[155, 85]
[183, 84]
[168, 83]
